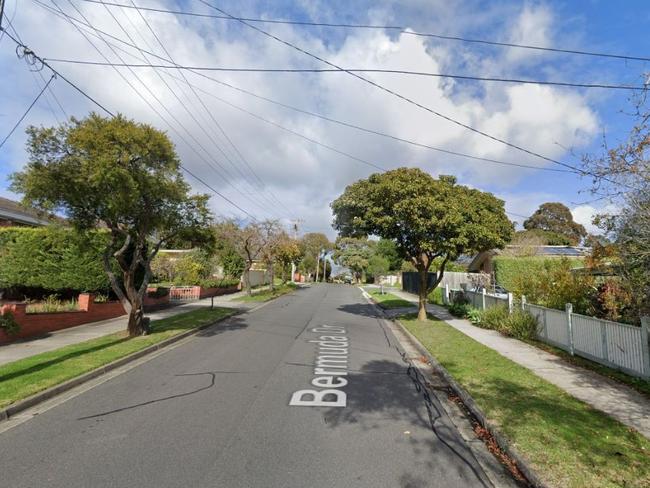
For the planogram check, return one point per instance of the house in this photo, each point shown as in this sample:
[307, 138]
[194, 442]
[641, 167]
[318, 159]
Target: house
[483, 262]
[15, 214]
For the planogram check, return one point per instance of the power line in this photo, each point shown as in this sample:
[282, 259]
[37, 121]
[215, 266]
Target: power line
[93, 100]
[27, 111]
[313, 114]
[363, 70]
[396, 94]
[212, 117]
[400, 29]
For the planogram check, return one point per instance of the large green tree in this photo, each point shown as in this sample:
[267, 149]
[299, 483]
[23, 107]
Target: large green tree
[355, 254]
[124, 176]
[312, 245]
[556, 218]
[427, 218]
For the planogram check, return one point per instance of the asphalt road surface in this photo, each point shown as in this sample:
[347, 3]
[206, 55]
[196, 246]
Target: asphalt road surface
[214, 412]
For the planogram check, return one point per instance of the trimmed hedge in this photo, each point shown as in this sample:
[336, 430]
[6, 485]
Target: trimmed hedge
[511, 272]
[52, 259]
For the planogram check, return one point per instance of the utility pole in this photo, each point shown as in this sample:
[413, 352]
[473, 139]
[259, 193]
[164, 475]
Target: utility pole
[2, 11]
[317, 266]
[293, 264]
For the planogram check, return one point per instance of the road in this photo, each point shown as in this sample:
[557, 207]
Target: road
[214, 412]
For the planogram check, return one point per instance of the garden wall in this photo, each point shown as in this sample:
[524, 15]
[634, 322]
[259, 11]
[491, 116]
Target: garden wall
[36, 324]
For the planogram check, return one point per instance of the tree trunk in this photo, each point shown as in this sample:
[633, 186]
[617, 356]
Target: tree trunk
[272, 277]
[422, 302]
[138, 323]
[247, 281]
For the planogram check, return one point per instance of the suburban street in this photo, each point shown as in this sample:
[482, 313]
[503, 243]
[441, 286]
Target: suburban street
[215, 412]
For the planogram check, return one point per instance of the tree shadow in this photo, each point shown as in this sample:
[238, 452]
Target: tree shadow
[363, 309]
[391, 392]
[227, 325]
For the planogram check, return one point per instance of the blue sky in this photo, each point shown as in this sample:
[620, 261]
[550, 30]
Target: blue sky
[563, 123]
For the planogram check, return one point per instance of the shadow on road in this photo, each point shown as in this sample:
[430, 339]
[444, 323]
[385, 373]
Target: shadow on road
[363, 309]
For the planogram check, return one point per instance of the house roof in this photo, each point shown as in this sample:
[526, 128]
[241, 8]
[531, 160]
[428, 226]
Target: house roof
[550, 251]
[15, 212]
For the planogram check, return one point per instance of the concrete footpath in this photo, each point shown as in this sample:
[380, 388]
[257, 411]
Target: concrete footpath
[616, 399]
[74, 335]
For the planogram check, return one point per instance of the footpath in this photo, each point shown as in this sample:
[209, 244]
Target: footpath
[30, 347]
[615, 399]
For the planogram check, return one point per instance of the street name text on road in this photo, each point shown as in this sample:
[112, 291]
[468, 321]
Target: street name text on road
[330, 368]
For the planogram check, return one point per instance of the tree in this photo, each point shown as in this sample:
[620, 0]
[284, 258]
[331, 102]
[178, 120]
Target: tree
[312, 244]
[272, 234]
[122, 175]
[287, 252]
[539, 237]
[388, 250]
[378, 266]
[427, 218]
[353, 253]
[556, 218]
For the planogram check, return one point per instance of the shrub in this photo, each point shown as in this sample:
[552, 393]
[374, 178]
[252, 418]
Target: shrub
[8, 323]
[159, 292]
[494, 317]
[53, 259]
[474, 316]
[219, 282]
[436, 296]
[52, 304]
[520, 325]
[458, 309]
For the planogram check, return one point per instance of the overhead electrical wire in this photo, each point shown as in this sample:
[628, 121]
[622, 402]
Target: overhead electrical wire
[31, 105]
[362, 70]
[400, 29]
[314, 114]
[190, 114]
[407, 99]
[150, 105]
[262, 186]
[110, 113]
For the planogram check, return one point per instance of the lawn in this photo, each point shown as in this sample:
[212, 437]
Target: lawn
[566, 442]
[266, 294]
[25, 377]
[388, 300]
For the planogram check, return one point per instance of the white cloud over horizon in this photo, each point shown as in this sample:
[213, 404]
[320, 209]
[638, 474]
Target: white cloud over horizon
[306, 177]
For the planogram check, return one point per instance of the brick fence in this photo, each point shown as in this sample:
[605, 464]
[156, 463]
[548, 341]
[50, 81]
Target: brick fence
[36, 324]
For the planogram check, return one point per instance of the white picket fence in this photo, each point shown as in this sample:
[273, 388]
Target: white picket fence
[620, 346]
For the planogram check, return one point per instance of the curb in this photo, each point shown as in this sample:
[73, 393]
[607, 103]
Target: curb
[53, 391]
[469, 403]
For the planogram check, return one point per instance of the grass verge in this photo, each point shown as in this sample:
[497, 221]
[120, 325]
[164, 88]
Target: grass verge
[266, 295]
[25, 377]
[639, 384]
[388, 300]
[568, 443]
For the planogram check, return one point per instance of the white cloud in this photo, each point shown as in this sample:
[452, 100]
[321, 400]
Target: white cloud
[304, 176]
[584, 214]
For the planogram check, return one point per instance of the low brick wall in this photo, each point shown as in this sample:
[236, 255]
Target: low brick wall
[37, 324]
[155, 301]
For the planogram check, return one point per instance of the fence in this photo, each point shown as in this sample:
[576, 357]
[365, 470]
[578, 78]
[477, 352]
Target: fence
[184, 293]
[620, 346]
[411, 280]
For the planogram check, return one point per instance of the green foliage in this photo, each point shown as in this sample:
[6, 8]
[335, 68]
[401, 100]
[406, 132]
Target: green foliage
[388, 250]
[458, 309]
[125, 176]
[219, 282]
[354, 253]
[520, 325]
[8, 323]
[540, 237]
[436, 296]
[494, 317]
[52, 303]
[377, 266]
[427, 218]
[474, 315]
[53, 259]
[556, 217]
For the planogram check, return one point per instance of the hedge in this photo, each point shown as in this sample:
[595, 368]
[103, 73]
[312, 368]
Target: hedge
[52, 259]
[510, 272]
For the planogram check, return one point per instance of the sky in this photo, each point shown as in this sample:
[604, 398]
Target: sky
[273, 162]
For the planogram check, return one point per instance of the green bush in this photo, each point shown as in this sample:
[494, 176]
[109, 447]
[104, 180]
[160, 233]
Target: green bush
[52, 259]
[436, 296]
[474, 315]
[8, 323]
[520, 325]
[458, 309]
[52, 303]
[494, 317]
[219, 282]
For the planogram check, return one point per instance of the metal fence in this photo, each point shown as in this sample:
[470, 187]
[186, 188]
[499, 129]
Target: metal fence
[620, 346]
[184, 293]
[454, 279]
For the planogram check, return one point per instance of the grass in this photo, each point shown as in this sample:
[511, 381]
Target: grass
[52, 304]
[639, 384]
[25, 377]
[388, 300]
[568, 443]
[266, 294]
